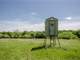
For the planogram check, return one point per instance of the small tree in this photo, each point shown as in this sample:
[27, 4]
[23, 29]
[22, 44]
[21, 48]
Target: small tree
[67, 35]
[40, 35]
[9, 34]
[23, 34]
[78, 33]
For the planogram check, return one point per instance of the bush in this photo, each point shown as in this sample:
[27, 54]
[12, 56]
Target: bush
[77, 33]
[67, 35]
[40, 35]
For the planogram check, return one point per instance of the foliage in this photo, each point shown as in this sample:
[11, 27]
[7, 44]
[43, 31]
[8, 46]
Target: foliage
[40, 35]
[77, 33]
[64, 34]
[67, 35]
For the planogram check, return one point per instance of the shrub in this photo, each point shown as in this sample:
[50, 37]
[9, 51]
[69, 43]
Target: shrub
[67, 35]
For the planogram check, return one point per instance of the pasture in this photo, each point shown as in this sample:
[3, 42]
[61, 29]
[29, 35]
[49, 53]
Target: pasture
[21, 49]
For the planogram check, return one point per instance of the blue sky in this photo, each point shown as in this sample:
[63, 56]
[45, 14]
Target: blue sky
[31, 14]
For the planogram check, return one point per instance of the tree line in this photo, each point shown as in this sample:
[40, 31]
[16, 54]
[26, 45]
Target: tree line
[62, 34]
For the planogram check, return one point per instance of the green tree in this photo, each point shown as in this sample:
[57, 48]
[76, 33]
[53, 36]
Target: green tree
[77, 33]
[23, 34]
[4, 35]
[10, 34]
[40, 35]
[66, 35]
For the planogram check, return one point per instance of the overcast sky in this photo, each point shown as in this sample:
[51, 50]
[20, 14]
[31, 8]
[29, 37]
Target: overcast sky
[30, 15]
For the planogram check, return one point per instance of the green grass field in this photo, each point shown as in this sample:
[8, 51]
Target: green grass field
[20, 49]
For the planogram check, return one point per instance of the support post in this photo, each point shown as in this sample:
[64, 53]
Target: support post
[45, 43]
[59, 43]
[52, 41]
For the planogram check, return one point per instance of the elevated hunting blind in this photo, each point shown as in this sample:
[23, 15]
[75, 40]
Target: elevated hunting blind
[51, 30]
[51, 26]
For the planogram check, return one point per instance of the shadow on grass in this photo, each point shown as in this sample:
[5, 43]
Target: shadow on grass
[43, 47]
[37, 48]
[40, 47]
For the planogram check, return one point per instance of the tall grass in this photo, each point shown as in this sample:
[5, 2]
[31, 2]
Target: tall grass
[18, 49]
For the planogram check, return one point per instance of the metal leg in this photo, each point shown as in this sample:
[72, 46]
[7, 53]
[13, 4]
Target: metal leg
[52, 42]
[45, 41]
[59, 43]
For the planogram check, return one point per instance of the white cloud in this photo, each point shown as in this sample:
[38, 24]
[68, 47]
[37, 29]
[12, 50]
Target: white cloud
[21, 26]
[69, 25]
[68, 18]
[28, 26]
[32, 27]
[33, 13]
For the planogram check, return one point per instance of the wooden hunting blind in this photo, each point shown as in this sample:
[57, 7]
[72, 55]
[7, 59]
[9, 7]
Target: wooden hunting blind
[51, 26]
[51, 30]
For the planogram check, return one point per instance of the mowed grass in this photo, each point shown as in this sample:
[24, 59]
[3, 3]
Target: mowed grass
[20, 49]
